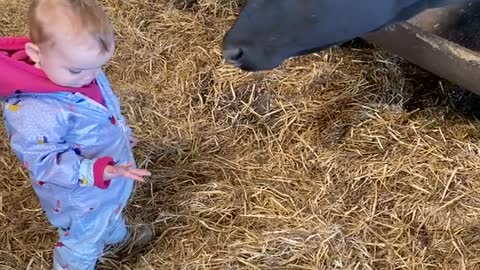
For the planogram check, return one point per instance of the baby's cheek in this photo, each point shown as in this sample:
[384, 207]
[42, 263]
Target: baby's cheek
[55, 76]
[63, 78]
[69, 78]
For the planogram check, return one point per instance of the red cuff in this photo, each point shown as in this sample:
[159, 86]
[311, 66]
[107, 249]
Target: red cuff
[98, 171]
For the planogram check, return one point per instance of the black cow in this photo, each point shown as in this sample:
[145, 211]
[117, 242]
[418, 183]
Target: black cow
[267, 32]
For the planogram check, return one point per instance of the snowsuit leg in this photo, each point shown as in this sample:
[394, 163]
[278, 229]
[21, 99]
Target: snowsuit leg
[80, 246]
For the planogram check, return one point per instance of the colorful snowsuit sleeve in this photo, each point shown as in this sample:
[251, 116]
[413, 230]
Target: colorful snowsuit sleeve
[37, 128]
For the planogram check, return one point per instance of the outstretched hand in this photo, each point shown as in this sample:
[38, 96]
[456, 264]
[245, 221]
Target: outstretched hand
[125, 171]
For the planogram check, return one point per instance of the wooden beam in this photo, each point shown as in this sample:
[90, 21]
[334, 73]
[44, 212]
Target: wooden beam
[442, 41]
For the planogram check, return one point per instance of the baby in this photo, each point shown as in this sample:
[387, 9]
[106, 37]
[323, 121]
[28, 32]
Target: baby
[65, 125]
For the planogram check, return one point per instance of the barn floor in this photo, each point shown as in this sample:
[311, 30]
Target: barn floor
[347, 159]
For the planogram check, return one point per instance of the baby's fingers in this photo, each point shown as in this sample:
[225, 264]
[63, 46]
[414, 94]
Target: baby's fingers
[127, 165]
[141, 172]
[134, 176]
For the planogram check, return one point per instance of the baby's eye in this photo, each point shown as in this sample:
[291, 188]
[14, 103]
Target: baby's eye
[73, 71]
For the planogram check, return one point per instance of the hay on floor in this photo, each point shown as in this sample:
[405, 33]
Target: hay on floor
[346, 159]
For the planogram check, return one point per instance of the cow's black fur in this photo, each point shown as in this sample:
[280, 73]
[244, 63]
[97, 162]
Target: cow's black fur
[269, 31]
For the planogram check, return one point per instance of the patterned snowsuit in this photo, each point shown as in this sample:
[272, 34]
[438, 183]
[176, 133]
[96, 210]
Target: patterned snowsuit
[65, 140]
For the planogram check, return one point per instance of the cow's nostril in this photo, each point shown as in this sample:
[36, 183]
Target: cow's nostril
[233, 54]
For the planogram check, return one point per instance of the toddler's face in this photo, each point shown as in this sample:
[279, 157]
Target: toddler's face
[73, 62]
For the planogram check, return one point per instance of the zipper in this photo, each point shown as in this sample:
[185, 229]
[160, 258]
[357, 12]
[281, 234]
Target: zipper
[106, 92]
[93, 103]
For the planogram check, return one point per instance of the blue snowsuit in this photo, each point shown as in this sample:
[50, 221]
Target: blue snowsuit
[65, 140]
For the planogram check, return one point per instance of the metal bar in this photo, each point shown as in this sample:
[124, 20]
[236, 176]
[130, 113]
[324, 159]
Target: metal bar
[437, 55]
[458, 23]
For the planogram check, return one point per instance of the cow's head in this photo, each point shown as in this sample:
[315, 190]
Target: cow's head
[269, 31]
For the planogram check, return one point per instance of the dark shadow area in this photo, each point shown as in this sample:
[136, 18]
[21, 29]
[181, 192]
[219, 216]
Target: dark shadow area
[356, 43]
[462, 27]
[425, 89]
[430, 91]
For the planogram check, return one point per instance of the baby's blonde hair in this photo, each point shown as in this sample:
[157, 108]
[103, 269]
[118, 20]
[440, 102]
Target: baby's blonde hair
[84, 15]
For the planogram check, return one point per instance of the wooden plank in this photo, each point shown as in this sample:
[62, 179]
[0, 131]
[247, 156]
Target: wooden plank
[443, 41]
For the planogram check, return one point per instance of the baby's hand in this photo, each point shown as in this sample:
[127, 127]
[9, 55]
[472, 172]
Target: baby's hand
[125, 171]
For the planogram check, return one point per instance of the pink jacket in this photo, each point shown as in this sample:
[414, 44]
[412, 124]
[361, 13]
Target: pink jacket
[17, 73]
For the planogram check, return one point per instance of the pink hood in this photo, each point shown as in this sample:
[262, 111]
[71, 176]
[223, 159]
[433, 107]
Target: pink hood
[17, 73]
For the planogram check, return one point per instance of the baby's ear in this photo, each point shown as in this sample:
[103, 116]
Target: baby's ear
[33, 51]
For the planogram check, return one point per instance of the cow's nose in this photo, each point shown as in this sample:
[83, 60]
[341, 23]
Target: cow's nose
[233, 55]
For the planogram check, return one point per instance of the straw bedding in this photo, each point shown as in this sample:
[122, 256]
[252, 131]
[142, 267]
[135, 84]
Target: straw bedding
[346, 159]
